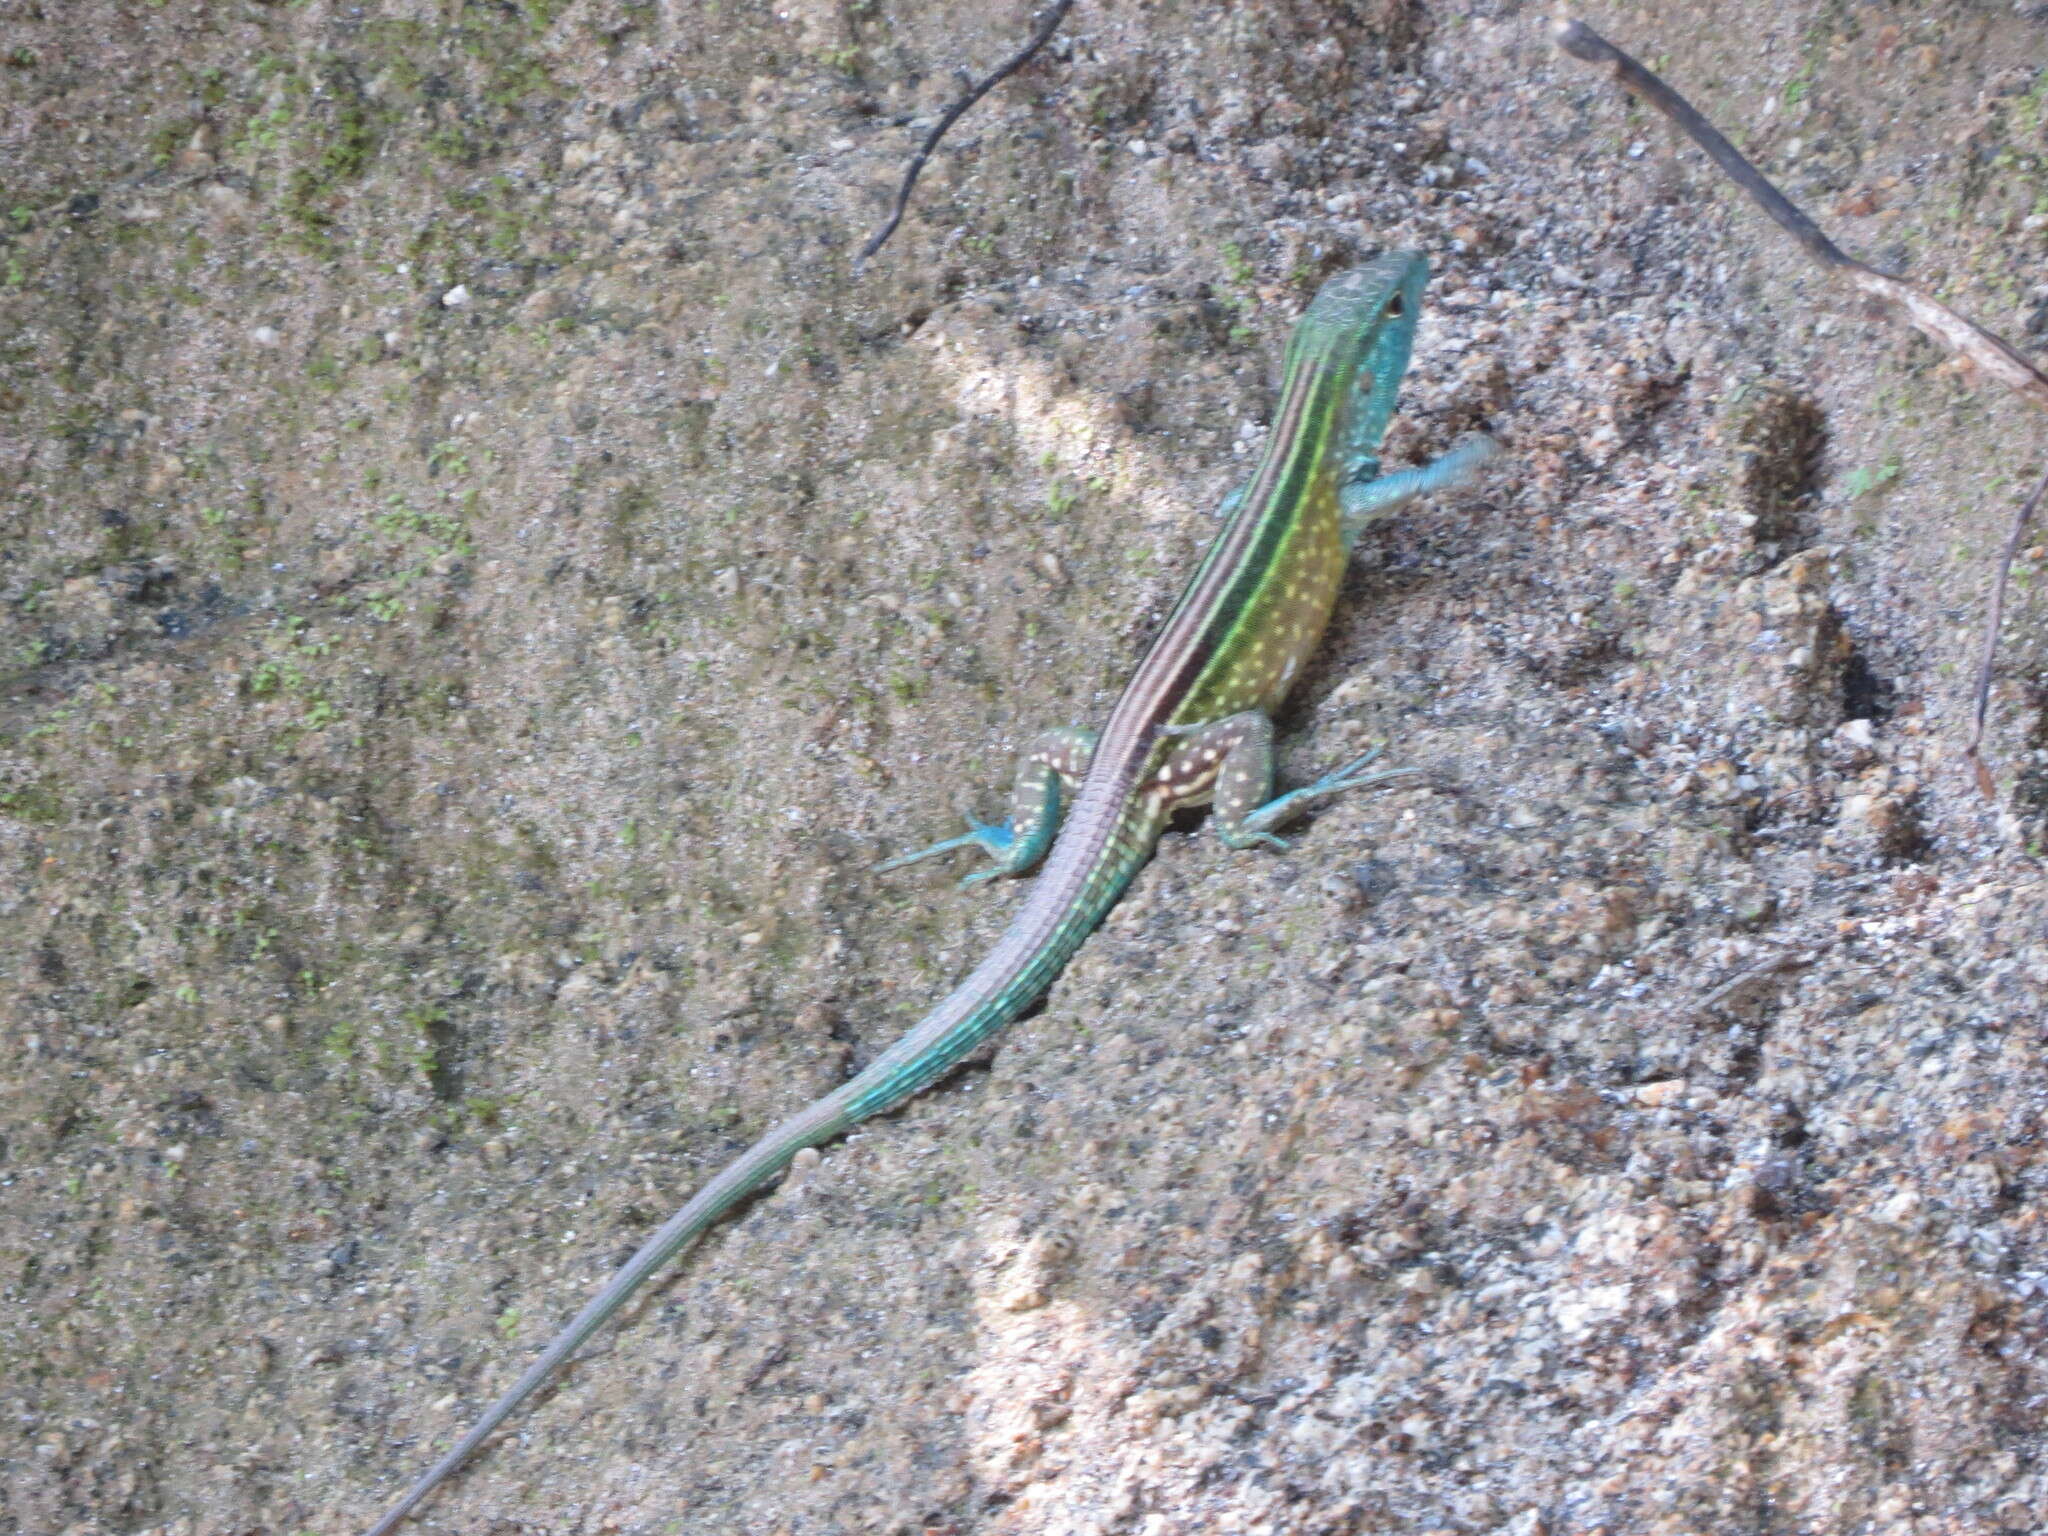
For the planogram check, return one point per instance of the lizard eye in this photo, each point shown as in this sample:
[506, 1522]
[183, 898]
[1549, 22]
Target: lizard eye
[1396, 307]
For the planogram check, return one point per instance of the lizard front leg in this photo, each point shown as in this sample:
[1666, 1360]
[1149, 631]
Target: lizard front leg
[1371, 495]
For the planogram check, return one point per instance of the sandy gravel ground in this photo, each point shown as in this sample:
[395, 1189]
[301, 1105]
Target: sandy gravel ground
[481, 581]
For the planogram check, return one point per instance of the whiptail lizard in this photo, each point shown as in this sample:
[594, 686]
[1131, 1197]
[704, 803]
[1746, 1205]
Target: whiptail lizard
[1193, 727]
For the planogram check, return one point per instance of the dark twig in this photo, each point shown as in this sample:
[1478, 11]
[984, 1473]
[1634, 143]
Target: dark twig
[1937, 321]
[1745, 983]
[1992, 624]
[1046, 28]
[1963, 337]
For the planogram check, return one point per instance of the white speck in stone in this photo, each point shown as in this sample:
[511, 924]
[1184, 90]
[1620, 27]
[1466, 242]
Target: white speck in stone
[456, 297]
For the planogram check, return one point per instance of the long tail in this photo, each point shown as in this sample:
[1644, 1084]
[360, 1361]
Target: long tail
[1059, 913]
[821, 1121]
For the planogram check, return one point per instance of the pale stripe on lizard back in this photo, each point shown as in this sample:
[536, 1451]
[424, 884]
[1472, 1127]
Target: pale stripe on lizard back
[1190, 728]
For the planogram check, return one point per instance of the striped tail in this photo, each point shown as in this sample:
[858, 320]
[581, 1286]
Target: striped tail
[1064, 906]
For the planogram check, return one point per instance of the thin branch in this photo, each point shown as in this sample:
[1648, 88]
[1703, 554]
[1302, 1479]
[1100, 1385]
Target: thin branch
[1046, 28]
[1937, 321]
[1992, 624]
[1961, 336]
[1739, 987]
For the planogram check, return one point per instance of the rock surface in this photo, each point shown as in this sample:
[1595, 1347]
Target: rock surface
[481, 580]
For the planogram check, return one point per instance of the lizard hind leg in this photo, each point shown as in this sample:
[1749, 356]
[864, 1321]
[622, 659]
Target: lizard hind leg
[1352, 775]
[1230, 763]
[1046, 778]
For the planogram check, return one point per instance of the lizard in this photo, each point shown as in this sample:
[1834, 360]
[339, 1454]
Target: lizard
[1192, 727]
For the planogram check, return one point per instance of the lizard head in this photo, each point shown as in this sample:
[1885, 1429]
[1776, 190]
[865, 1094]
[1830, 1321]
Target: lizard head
[1361, 324]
